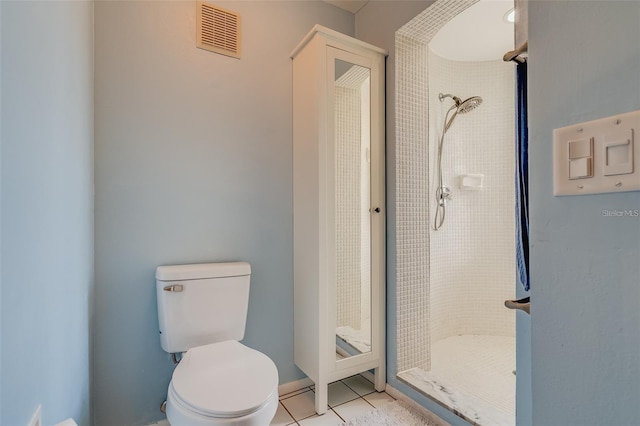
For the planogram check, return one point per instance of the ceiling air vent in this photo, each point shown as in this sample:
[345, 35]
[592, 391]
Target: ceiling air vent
[218, 30]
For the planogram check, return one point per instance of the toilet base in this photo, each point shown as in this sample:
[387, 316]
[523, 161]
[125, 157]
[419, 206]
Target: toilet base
[179, 415]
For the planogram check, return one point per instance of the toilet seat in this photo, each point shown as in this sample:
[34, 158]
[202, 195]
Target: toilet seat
[224, 380]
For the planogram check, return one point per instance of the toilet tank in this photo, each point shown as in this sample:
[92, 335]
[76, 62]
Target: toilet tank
[201, 304]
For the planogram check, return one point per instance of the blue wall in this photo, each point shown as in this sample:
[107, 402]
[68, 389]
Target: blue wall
[47, 210]
[193, 164]
[584, 63]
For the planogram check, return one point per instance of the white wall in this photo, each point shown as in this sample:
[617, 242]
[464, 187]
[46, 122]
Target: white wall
[472, 257]
[47, 210]
[193, 164]
[584, 266]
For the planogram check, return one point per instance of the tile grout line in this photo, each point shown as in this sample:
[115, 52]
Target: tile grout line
[339, 416]
[290, 415]
[356, 392]
[295, 393]
[330, 407]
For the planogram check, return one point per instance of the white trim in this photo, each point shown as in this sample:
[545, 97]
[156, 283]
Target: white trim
[332, 34]
[286, 388]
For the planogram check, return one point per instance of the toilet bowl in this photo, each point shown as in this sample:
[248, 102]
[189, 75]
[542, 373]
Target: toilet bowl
[223, 383]
[202, 312]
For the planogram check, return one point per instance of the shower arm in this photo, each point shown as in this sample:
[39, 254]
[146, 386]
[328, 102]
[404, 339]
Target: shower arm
[443, 96]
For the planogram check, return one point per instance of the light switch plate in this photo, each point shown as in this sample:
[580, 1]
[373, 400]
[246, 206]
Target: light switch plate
[614, 161]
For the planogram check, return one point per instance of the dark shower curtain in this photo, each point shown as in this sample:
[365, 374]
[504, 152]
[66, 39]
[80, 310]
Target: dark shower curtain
[522, 177]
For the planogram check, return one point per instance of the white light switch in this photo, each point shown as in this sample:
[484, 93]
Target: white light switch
[580, 148]
[618, 153]
[580, 168]
[597, 156]
[581, 159]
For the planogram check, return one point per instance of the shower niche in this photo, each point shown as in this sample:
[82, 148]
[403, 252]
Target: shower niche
[339, 209]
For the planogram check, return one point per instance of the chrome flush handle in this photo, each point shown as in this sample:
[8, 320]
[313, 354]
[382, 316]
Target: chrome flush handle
[176, 288]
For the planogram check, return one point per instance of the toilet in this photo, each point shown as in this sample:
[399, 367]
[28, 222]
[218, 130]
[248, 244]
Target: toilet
[202, 312]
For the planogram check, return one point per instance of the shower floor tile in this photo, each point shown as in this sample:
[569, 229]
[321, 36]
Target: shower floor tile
[471, 375]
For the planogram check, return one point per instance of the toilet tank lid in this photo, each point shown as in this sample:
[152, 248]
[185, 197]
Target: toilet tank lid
[202, 271]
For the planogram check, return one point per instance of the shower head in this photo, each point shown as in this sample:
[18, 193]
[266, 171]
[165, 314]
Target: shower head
[460, 107]
[469, 104]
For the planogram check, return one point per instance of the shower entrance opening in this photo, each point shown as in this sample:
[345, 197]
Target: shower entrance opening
[455, 209]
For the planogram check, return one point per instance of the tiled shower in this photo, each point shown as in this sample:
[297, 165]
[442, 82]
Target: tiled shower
[456, 340]
[472, 256]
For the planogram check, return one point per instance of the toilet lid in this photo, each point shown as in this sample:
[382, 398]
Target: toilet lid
[225, 379]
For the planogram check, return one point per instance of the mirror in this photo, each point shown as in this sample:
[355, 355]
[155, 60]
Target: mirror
[352, 208]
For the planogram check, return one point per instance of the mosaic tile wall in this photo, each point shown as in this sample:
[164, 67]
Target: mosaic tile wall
[412, 177]
[412, 208]
[473, 254]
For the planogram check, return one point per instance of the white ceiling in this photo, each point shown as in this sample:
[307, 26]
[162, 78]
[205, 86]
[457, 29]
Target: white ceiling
[351, 5]
[477, 34]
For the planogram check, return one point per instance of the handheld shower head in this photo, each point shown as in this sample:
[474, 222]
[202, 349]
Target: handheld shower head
[460, 107]
[469, 104]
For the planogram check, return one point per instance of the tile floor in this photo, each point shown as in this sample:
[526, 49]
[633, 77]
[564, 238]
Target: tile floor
[472, 376]
[348, 398]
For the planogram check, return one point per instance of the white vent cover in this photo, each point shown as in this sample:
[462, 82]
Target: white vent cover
[218, 30]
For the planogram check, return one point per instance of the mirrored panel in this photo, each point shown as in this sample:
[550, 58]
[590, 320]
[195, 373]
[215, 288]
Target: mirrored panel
[353, 201]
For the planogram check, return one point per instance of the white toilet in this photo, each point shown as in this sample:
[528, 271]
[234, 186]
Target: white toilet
[202, 310]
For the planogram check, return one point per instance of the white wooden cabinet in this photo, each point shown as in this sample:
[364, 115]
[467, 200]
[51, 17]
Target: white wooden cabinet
[339, 209]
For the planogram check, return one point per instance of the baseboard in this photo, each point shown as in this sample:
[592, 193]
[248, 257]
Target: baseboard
[286, 388]
[404, 398]
[164, 422]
